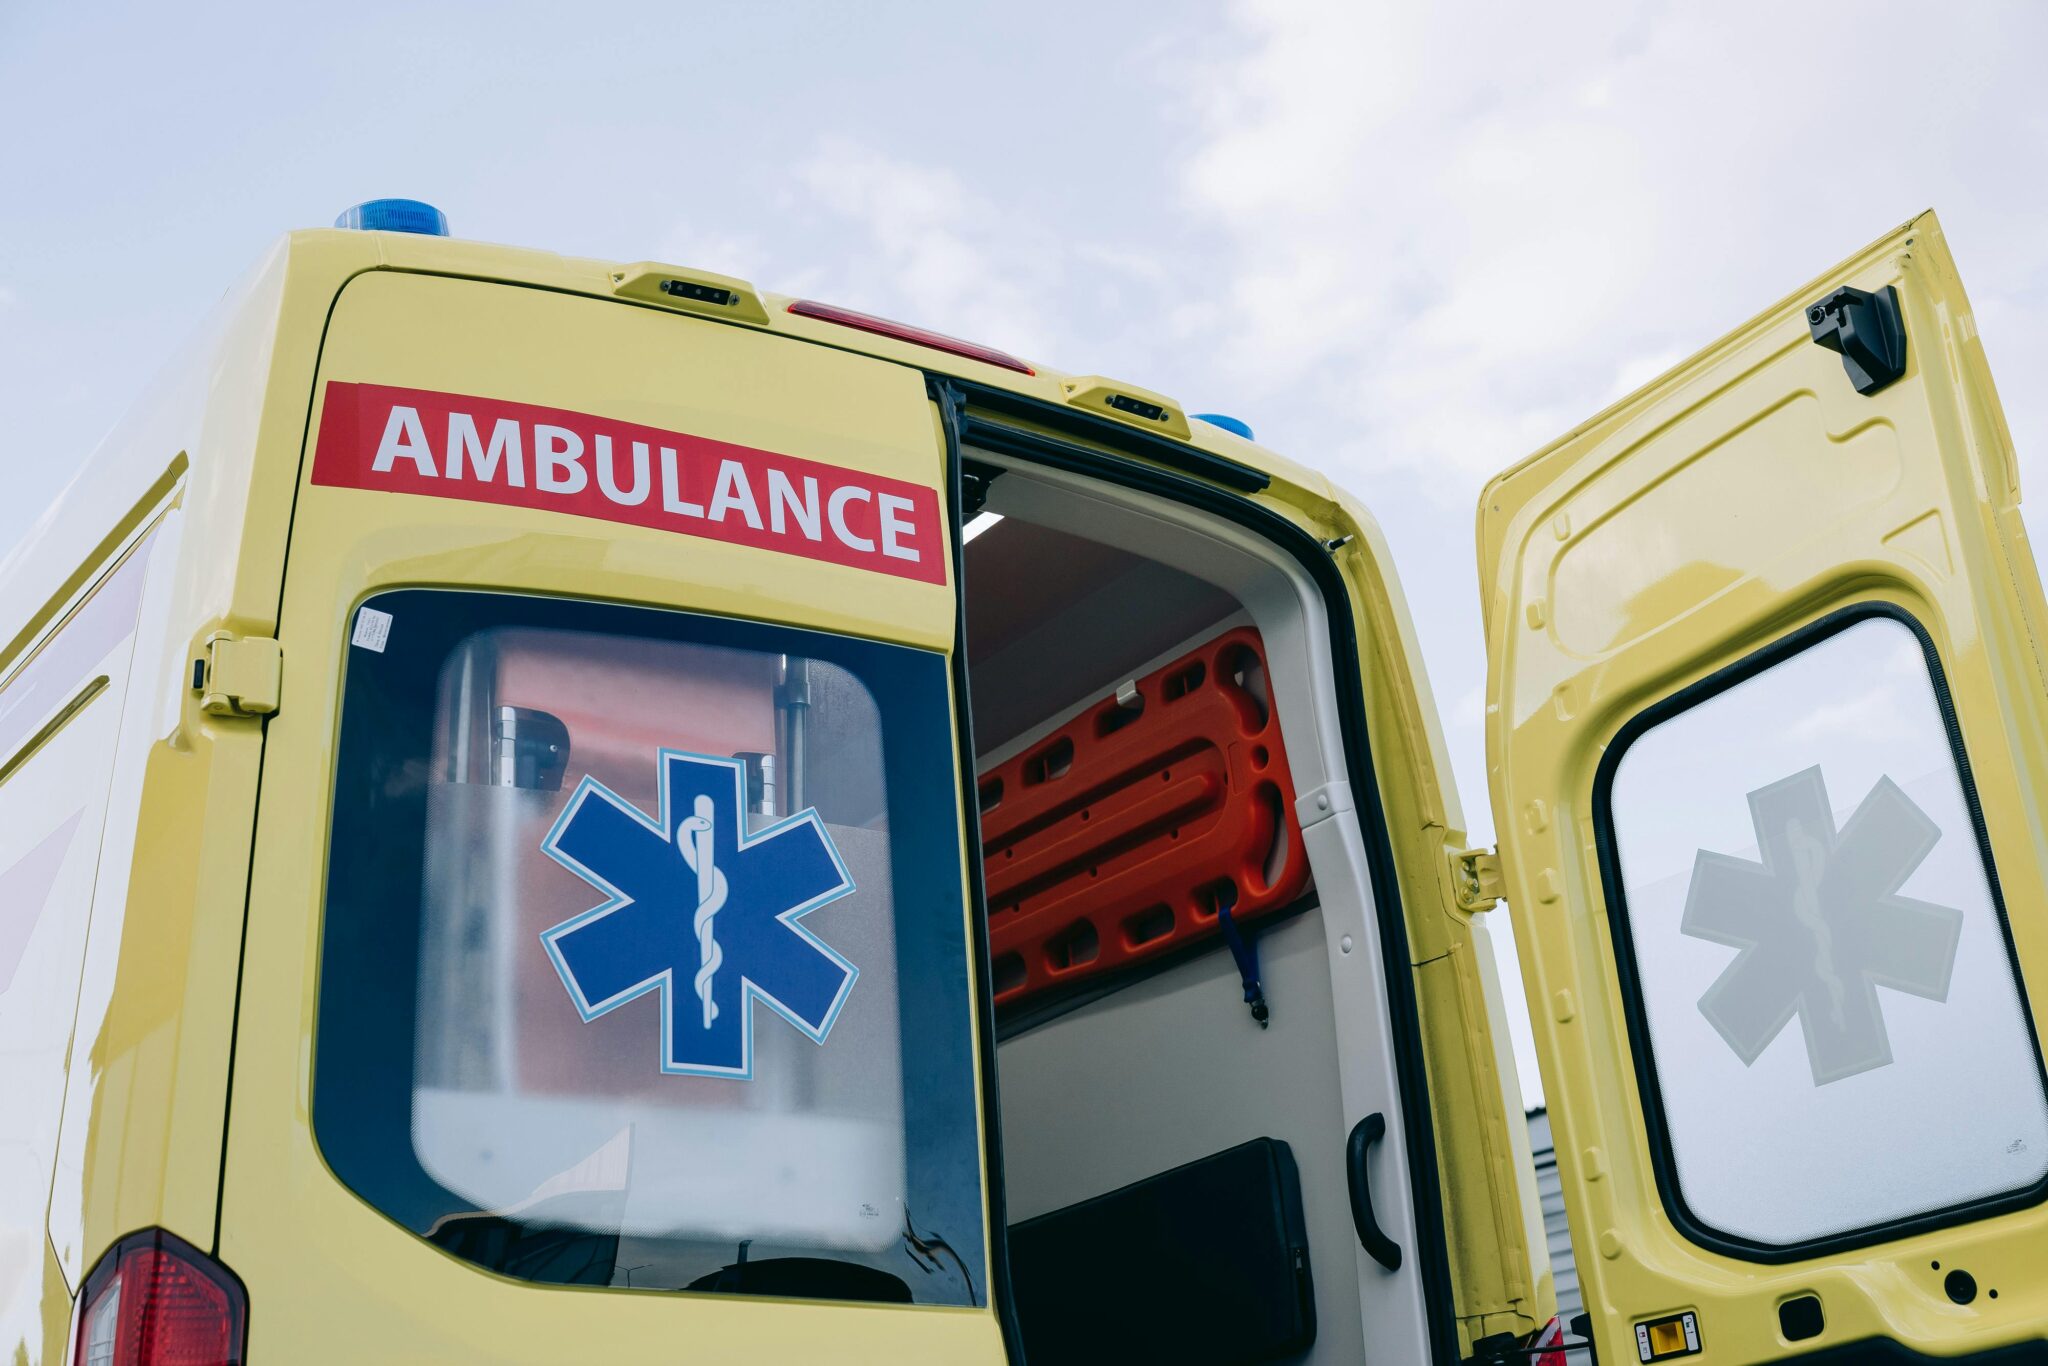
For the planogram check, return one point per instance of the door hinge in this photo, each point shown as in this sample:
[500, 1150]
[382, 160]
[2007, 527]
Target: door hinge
[1499, 1349]
[1476, 878]
[238, 675]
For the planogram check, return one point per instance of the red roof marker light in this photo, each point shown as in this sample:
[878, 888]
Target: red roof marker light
[917, 336]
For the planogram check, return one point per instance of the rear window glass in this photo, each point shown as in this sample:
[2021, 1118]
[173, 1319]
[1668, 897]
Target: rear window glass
[644, 960]
[1823, 979]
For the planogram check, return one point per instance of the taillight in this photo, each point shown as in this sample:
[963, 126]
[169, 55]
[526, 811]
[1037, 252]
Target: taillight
[155, 1300]
[918, 336]
[1551, 1337]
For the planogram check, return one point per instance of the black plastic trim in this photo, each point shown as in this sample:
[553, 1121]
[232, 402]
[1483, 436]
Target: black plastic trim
[1000, 1296]
[1357, 1159]
[1418, 1127]
[1175, 455]
[1865, 330]
[1654, 1118]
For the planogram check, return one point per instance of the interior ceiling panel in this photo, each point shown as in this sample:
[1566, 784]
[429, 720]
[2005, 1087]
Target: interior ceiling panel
[1054, 618]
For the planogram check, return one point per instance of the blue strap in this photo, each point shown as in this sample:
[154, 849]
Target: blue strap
[1246, 952]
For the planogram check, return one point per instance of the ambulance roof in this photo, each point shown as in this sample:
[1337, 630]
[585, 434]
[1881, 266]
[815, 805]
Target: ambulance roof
[205, 411]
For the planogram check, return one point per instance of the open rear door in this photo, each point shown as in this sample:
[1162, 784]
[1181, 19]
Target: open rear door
[1768, 741]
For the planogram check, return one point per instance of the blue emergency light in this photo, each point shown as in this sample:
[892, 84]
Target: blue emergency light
[395, 215]
[1236, 426]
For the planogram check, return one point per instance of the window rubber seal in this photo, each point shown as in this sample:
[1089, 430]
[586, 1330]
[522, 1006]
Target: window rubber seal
[1656, 1123]
[995, 1198]
[1110, 464]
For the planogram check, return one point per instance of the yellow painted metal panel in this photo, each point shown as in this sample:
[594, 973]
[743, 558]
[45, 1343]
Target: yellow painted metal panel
[53, 803]
[1748, 492]
[231, 423]
[330, 1278]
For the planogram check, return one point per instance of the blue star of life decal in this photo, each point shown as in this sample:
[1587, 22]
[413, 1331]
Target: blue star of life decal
[701, 911]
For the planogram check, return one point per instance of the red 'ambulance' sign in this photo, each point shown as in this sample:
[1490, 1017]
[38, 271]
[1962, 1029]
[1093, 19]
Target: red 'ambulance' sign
[486, 450]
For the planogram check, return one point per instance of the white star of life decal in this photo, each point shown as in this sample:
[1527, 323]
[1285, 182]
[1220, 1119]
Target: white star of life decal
[1820, 924]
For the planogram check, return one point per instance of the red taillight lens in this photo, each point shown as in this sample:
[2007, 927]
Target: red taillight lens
[918, 336]
[155, 1300]
[1552, 1337]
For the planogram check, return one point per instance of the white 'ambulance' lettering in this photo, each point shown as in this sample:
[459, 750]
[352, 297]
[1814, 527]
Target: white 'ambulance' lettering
[671, 491]
[732, 493]
[835, 513]
[896, 528]
[463, 442]
[404, 437]
[555, 450]
[608, 477]
[512, 453]
[782, 500]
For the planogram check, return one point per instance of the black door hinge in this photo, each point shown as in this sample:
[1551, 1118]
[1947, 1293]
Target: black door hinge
[975, 478]
[1866, 331]
[1499, 1349]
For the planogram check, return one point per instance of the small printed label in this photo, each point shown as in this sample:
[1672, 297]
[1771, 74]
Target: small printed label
[373, 628]
[1676, 1336]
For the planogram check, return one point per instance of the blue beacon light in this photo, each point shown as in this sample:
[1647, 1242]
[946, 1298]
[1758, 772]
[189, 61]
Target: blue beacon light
[395, 215]
[1234, 425]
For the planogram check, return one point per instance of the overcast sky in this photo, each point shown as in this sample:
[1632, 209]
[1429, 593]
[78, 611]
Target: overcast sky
[1407, 244]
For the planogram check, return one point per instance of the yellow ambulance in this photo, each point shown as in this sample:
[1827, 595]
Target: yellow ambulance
[564, 811]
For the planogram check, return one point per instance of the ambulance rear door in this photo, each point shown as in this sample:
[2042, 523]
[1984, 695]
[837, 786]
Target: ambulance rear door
[1768, 740]
[609, 986]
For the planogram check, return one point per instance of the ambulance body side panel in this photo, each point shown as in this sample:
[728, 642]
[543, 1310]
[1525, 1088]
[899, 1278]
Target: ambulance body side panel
[59, 739]
[331, 1277]
[169, 531]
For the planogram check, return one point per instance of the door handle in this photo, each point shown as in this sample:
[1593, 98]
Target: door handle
[1357, 1148]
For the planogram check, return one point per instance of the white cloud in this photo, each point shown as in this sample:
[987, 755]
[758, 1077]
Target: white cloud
[724, 253]
[7, 297]
[914, 238]
[1446, 234]
[908, 239]
[1457, 227]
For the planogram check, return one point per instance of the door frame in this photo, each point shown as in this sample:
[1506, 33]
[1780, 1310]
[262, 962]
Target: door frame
[958, 401]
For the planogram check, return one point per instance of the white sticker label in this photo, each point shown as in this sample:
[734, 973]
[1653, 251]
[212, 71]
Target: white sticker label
[373, 628]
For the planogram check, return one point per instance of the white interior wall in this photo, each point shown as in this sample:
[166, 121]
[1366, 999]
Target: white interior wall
[1173, 1067]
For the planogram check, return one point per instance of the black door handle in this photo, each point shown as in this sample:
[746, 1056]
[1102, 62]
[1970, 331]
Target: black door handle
[1377, 1244]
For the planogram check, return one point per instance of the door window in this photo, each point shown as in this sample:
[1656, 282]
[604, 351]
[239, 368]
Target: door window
[644, 954]
[1815, 948]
